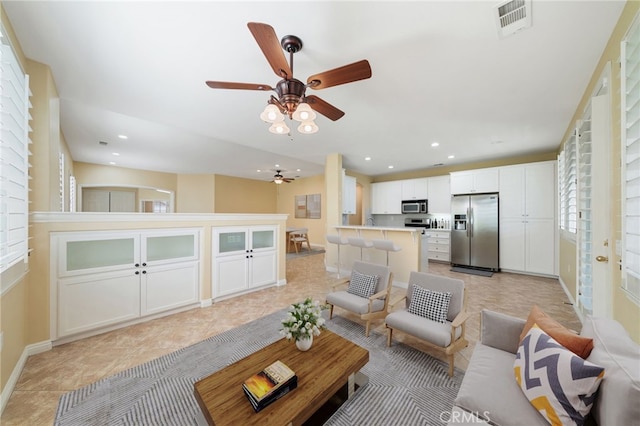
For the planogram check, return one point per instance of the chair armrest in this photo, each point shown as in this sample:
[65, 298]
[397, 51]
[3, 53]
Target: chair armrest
[392, 303]
[378, 295]
[500, 331]
[460, 319]
[340, 283]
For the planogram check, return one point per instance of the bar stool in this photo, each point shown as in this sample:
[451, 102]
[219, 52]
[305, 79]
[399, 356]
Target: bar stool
[360, 242]
[386, 245]
[339, 241]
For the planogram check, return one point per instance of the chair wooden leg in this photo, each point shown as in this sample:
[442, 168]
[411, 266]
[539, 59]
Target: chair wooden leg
[389, 337]
[331, 312]
[451, 365]
[366, 331]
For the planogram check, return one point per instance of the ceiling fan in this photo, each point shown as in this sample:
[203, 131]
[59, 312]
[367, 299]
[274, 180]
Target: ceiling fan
[291, 99]
[278, 178]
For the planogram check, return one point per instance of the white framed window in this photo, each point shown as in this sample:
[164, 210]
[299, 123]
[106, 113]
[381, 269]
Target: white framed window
[14, 157]
[568, 180]
[630, 97]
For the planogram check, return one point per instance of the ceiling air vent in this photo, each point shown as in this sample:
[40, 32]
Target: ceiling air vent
[512, 16]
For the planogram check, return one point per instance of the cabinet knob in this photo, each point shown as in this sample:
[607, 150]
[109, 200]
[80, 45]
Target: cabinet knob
[144, 264]
[137, 272]
[137, 265]
[144, 272]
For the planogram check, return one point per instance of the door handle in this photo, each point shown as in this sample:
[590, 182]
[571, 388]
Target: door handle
[602, 258]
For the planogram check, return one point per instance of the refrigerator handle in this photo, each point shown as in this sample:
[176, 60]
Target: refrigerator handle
[470, 220]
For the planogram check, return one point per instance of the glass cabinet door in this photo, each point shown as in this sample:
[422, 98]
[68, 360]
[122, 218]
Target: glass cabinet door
[98, 253]
[170, 247]
[231, 241]
[263, 239]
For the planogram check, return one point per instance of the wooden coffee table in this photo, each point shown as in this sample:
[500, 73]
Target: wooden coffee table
[331, 363]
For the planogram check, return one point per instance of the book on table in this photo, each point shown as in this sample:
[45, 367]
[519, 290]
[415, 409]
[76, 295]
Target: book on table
[270, 384]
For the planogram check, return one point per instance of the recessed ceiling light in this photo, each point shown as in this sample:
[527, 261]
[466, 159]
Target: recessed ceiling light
[434, 144]
[276, 165]
[367, 158]
[116, 153]
[258, 170]
[123, 136]
[297, 170]
[390, 167]
[451, 156]
[113, 163]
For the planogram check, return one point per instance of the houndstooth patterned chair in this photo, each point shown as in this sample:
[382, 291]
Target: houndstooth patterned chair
[434, 311]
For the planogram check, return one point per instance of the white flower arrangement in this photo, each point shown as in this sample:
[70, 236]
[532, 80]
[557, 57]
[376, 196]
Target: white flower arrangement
[303, 320]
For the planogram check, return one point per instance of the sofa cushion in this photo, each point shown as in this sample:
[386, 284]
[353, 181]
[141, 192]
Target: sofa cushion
[500, 331]
[433, 305]
[353, 303]
[558, 383]
[577, 344]
[490, 391]
[618, 401]
[361, 284]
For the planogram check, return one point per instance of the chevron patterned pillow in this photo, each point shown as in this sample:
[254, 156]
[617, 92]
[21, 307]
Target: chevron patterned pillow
[361, 284]
[558, 383]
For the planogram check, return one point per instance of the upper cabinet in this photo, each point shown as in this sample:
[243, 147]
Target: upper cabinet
[528, 190]
[386, 197]
[415, 189]
[348, 194]
[439, 194]
[475, 181]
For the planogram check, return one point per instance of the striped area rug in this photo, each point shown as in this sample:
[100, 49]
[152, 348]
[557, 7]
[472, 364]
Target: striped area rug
[406, 386]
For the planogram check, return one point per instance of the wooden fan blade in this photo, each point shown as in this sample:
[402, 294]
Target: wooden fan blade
[268, 41]
[242, 86]
[353, 72]
[288, 180]
[324, 108]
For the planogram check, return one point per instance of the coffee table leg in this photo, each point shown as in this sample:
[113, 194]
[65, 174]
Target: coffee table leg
[355, 380]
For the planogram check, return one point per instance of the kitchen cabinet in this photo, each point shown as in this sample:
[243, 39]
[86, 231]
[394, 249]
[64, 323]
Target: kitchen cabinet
[527, 218]
[104, 278]
[439, 244]
[348, 194]
[439, 194]
[415, 189]
[475, 181]
[245, 258]
[386, 197]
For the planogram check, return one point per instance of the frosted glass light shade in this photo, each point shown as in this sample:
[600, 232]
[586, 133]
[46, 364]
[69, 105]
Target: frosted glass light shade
[277, 180]
[308, 127]
[304, 113]
[279, 128]
[271, 114]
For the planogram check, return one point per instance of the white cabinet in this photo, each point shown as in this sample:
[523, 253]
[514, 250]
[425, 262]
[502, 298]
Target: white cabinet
[348, 194]
[386, 197]
[104, 278]
[527, 218]
[439, 244]
[415, 189]
[439, 194]
[475, 181]
[245, 258]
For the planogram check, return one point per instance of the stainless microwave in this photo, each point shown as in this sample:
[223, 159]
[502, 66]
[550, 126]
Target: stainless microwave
[414, 206]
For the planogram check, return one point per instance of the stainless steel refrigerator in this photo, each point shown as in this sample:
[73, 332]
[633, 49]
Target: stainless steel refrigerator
[474, 231]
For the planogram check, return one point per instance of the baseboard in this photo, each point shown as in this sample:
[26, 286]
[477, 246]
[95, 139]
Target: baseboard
[571, 300]
[29, 350]
[282, 282]
[205, 303]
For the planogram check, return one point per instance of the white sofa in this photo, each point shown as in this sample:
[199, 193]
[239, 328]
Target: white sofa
[489, 393]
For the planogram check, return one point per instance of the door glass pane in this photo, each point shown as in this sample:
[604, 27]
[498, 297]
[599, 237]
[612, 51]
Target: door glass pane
[170, 247]
[585, 254]
[231, 241]
[99, 253]
[262, 239]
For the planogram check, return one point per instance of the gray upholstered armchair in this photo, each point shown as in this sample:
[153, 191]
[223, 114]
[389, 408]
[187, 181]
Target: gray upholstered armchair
[434, 311]
[366, 294]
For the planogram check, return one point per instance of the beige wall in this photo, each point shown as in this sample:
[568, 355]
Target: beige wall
[286, 193]
[624, 310]
[100, 175]
[196, 194]
[237, 195]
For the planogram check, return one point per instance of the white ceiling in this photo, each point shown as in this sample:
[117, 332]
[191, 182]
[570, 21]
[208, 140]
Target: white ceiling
[440, 74]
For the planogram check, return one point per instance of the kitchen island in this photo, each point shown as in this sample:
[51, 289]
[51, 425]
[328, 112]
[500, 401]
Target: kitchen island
[401, 262]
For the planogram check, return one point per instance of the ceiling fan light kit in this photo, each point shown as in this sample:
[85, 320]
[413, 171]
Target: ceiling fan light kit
[292, 100]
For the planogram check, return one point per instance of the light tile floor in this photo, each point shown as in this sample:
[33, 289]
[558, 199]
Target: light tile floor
[49, 375]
